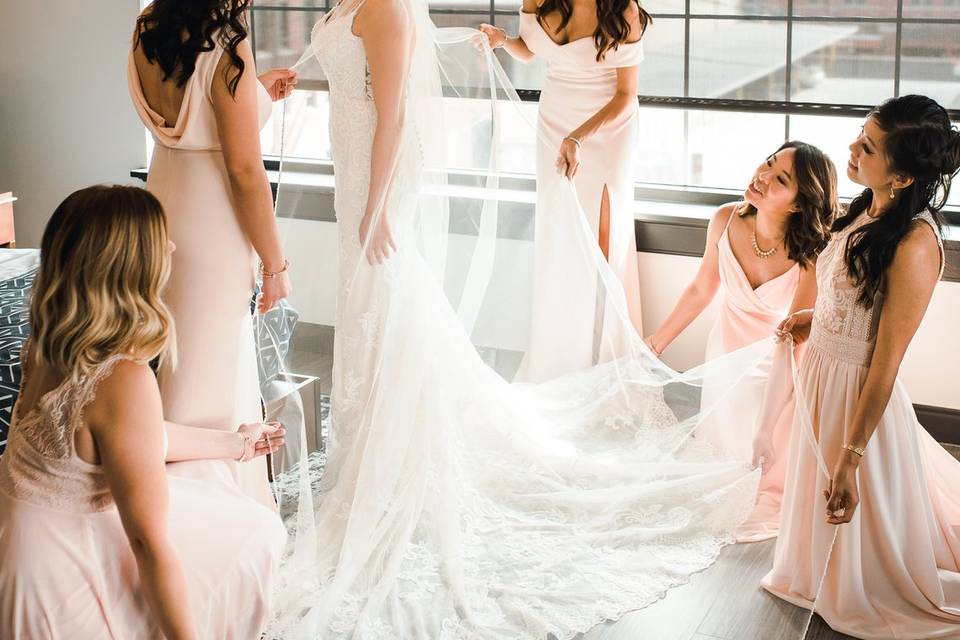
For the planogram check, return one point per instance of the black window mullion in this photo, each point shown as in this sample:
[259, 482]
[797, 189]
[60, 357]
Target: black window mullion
[897, 49]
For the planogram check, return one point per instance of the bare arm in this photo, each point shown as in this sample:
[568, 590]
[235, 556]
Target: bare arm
[386, 29]
[239, 131]
[126, 421]
[195, 443]
[911, 279]
[698, 293]
[515, 46]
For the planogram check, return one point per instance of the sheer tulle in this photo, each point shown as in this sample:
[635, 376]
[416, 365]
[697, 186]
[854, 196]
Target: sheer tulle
[450, 503]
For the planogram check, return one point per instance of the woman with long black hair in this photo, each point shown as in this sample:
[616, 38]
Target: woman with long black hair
[858, 456]
[588, 132]
[193, 82]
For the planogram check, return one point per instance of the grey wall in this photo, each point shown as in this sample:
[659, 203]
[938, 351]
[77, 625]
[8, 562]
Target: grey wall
[65, 116]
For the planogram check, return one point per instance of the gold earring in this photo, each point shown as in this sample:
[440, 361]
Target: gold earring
[892, 194]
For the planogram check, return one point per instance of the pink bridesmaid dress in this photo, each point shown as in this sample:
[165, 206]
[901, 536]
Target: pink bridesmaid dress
[564, 310]
[894, 570]
[748, 315]
[66, 567]
[215, 384]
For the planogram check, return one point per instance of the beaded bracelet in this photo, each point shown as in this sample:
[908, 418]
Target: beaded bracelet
[273, 274]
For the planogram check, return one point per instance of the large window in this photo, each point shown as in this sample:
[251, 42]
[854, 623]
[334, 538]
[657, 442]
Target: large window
[726, 81]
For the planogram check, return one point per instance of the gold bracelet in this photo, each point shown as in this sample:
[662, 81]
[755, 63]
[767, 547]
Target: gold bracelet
[273, 274]
[853, 449]
[246, 439]
[574, 141]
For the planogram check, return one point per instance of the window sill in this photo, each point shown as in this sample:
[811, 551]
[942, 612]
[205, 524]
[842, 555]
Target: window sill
[666, 221]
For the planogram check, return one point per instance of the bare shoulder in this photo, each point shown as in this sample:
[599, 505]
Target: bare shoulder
[384, 13]
[129, 389]
[531, 6]
[917, 258]
[719, 220]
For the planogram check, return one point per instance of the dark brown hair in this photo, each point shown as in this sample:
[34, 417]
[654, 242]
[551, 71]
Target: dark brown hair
[808, 229]
[173, 33]
[920, 143]
[612, 26]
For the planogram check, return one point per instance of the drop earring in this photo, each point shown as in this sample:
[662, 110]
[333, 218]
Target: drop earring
[892, 194]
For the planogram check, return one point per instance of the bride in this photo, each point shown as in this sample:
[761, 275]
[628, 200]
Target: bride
[451, 503]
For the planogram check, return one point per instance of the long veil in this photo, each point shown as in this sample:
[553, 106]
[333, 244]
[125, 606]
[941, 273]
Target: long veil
[427, 494]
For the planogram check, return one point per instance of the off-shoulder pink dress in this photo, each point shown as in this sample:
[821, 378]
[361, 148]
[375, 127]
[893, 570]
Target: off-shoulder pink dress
[66, 567]
[215, 384]
[565, 326]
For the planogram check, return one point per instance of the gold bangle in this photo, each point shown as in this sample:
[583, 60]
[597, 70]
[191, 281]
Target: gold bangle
[853, 449]
[574, 141]
[245, 439]
[273, 274]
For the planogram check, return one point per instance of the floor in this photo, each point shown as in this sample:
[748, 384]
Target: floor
[723, 602]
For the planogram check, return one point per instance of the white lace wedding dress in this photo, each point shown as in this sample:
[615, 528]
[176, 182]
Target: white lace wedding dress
[454, 504]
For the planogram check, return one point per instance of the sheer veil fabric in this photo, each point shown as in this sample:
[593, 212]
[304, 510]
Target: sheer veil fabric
[449, 502]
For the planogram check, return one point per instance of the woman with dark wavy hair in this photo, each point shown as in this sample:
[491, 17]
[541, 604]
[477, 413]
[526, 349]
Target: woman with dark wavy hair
[191, 76]
[762, 252]
[588, 132]
[871, 514]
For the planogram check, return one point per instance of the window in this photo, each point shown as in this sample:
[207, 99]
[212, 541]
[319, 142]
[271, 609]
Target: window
[725, 81]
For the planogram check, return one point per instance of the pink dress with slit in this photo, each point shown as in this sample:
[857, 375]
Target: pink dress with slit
[565, 328]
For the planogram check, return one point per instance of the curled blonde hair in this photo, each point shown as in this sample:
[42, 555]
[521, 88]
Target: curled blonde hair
[103, 263]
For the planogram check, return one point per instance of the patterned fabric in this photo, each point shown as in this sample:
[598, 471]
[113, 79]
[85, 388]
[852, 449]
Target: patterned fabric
[14, 331]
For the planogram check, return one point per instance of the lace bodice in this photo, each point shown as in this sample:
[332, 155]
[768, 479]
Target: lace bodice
[841, 327]
[40, 465]
[341, 54]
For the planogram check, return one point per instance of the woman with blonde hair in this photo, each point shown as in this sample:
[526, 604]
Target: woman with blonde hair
[95, 540]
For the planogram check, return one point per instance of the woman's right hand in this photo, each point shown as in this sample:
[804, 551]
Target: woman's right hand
[378, 244]
[495, 35]
[273, 290]
[261, 438]
[796, 326]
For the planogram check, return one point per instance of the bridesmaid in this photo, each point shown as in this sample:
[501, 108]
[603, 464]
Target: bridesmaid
[192, 82]
[871, 507]
[95, 541]
[588, 131]
[762, 252]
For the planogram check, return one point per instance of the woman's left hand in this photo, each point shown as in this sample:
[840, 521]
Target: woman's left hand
[568, 160]
[842, 494]
[279, 83]
[264, 438]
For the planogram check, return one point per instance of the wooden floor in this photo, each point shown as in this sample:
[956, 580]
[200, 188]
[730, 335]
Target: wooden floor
[724, 602]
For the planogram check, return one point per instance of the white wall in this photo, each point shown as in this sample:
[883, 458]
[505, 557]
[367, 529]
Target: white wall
[66, 120]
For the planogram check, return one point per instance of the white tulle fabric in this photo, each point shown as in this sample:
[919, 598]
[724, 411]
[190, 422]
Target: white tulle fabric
[451, 503]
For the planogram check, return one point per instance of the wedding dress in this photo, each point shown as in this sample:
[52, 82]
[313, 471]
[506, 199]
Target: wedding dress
[451, 503]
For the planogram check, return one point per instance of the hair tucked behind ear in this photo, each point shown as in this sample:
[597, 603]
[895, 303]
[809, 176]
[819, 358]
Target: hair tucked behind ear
[103, 263]
[920, 143]
[808, 228]
[173, 33]
[613, 29]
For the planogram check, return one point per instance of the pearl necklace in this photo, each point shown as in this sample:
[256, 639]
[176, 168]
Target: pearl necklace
[761, 253]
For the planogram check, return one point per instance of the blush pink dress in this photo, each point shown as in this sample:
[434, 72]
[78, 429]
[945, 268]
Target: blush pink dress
[66, 567]
[748, 315]
[564, 330]
[215, 384]
[894, 570]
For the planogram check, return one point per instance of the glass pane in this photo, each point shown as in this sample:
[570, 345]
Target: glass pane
[661, 72]
[724, 148]
[939, 9]
[930, 62]
[281, 37]
[522, 75]
[832, 134]
[720, 150]
[507, 5]
[846, 8]
[843, 63]
[738, 59]
[739, 7]
[459, 19]
[473, 6]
